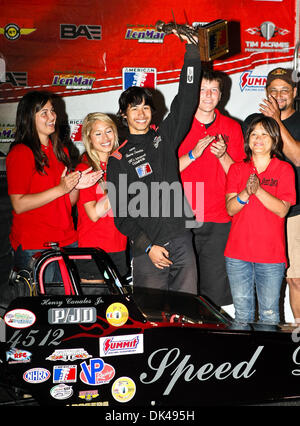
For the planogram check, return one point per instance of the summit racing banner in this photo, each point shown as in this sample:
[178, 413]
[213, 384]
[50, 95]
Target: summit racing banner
[76, 48]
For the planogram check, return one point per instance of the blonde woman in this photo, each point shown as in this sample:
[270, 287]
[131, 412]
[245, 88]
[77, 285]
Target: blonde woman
[96, 226]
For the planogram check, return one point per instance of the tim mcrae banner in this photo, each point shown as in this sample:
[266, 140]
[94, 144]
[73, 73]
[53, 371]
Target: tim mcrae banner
[75, 47]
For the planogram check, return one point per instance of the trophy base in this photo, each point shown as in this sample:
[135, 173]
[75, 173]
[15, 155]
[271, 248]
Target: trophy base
[213, 40]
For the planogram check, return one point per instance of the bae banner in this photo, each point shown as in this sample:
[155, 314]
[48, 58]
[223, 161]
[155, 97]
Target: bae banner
[80, 47]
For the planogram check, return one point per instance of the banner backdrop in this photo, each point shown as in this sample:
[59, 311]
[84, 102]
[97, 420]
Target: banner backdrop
[75, 47]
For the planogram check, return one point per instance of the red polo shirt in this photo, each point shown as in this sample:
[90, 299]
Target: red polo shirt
[257, 234]
[205, 179]
[50, 223]
[102, 233]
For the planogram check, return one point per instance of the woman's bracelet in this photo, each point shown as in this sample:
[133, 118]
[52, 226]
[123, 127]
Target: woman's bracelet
[241, 201]
[191, 155]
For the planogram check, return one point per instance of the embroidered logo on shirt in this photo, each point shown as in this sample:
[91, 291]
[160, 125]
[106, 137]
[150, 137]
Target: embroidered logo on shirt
[190, 75]
[269, 182]
[143, 170]
[156, 141]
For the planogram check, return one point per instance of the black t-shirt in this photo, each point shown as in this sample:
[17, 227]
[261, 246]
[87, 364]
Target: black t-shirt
[293, 125]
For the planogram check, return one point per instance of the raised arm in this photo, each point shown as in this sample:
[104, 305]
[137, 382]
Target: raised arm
[184, 105]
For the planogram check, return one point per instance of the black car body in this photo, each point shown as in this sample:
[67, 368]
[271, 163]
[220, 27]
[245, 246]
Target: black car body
[78, 343]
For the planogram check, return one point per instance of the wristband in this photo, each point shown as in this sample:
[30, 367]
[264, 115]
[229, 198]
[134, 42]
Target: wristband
[148, 248]
[241, 201]
[191, 155]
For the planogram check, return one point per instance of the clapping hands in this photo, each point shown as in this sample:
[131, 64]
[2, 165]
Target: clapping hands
[252, 184]
[88, 178]
[78, 180]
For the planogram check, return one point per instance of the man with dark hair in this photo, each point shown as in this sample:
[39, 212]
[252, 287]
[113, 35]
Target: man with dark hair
[144, 187]
[281, 91]
[212, 145]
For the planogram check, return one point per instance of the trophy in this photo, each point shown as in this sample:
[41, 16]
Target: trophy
[212, 37]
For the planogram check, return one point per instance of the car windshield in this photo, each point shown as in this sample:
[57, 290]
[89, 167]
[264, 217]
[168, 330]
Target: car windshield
[160, 305]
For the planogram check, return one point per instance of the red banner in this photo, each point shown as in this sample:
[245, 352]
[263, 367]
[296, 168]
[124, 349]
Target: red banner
[77, 47]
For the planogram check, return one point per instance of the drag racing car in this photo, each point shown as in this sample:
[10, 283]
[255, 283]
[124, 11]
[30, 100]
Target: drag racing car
[101, 342]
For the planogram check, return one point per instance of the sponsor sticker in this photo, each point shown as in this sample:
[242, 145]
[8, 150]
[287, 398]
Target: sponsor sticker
[61, 391]
[73, 81]
[123, 389]
[19, 318]
[64, 373]
[84, 315]
[141, 77]
[68, 355]
[88, 395]
[266, 37]
[97, 372]
[121, 345]
[15, 356]
[12, 31]
[36, 375]
[117, 314]
[144, 34]
[250, 82]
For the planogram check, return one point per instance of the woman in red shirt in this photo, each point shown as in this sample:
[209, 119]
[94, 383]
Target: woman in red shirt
[40, 186]
[96, 226]
[259, 193]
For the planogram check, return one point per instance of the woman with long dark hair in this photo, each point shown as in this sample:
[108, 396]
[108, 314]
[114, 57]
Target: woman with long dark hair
[41, 186]
[260, 191]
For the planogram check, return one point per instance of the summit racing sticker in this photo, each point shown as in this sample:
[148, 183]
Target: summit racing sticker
[121, 345]
[250, 82]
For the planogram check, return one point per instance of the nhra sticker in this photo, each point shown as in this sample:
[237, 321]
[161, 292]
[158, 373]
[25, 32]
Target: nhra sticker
[19, 318]
[121, 345]
[117, 314]
[61, 391]
[36, 375]
[96, 373]
[123, 389]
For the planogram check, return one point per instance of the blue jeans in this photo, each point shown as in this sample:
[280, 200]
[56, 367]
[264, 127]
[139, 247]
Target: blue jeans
[245, 278]
[23, 260]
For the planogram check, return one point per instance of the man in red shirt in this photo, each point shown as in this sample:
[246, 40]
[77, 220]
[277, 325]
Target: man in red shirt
[212, 145]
